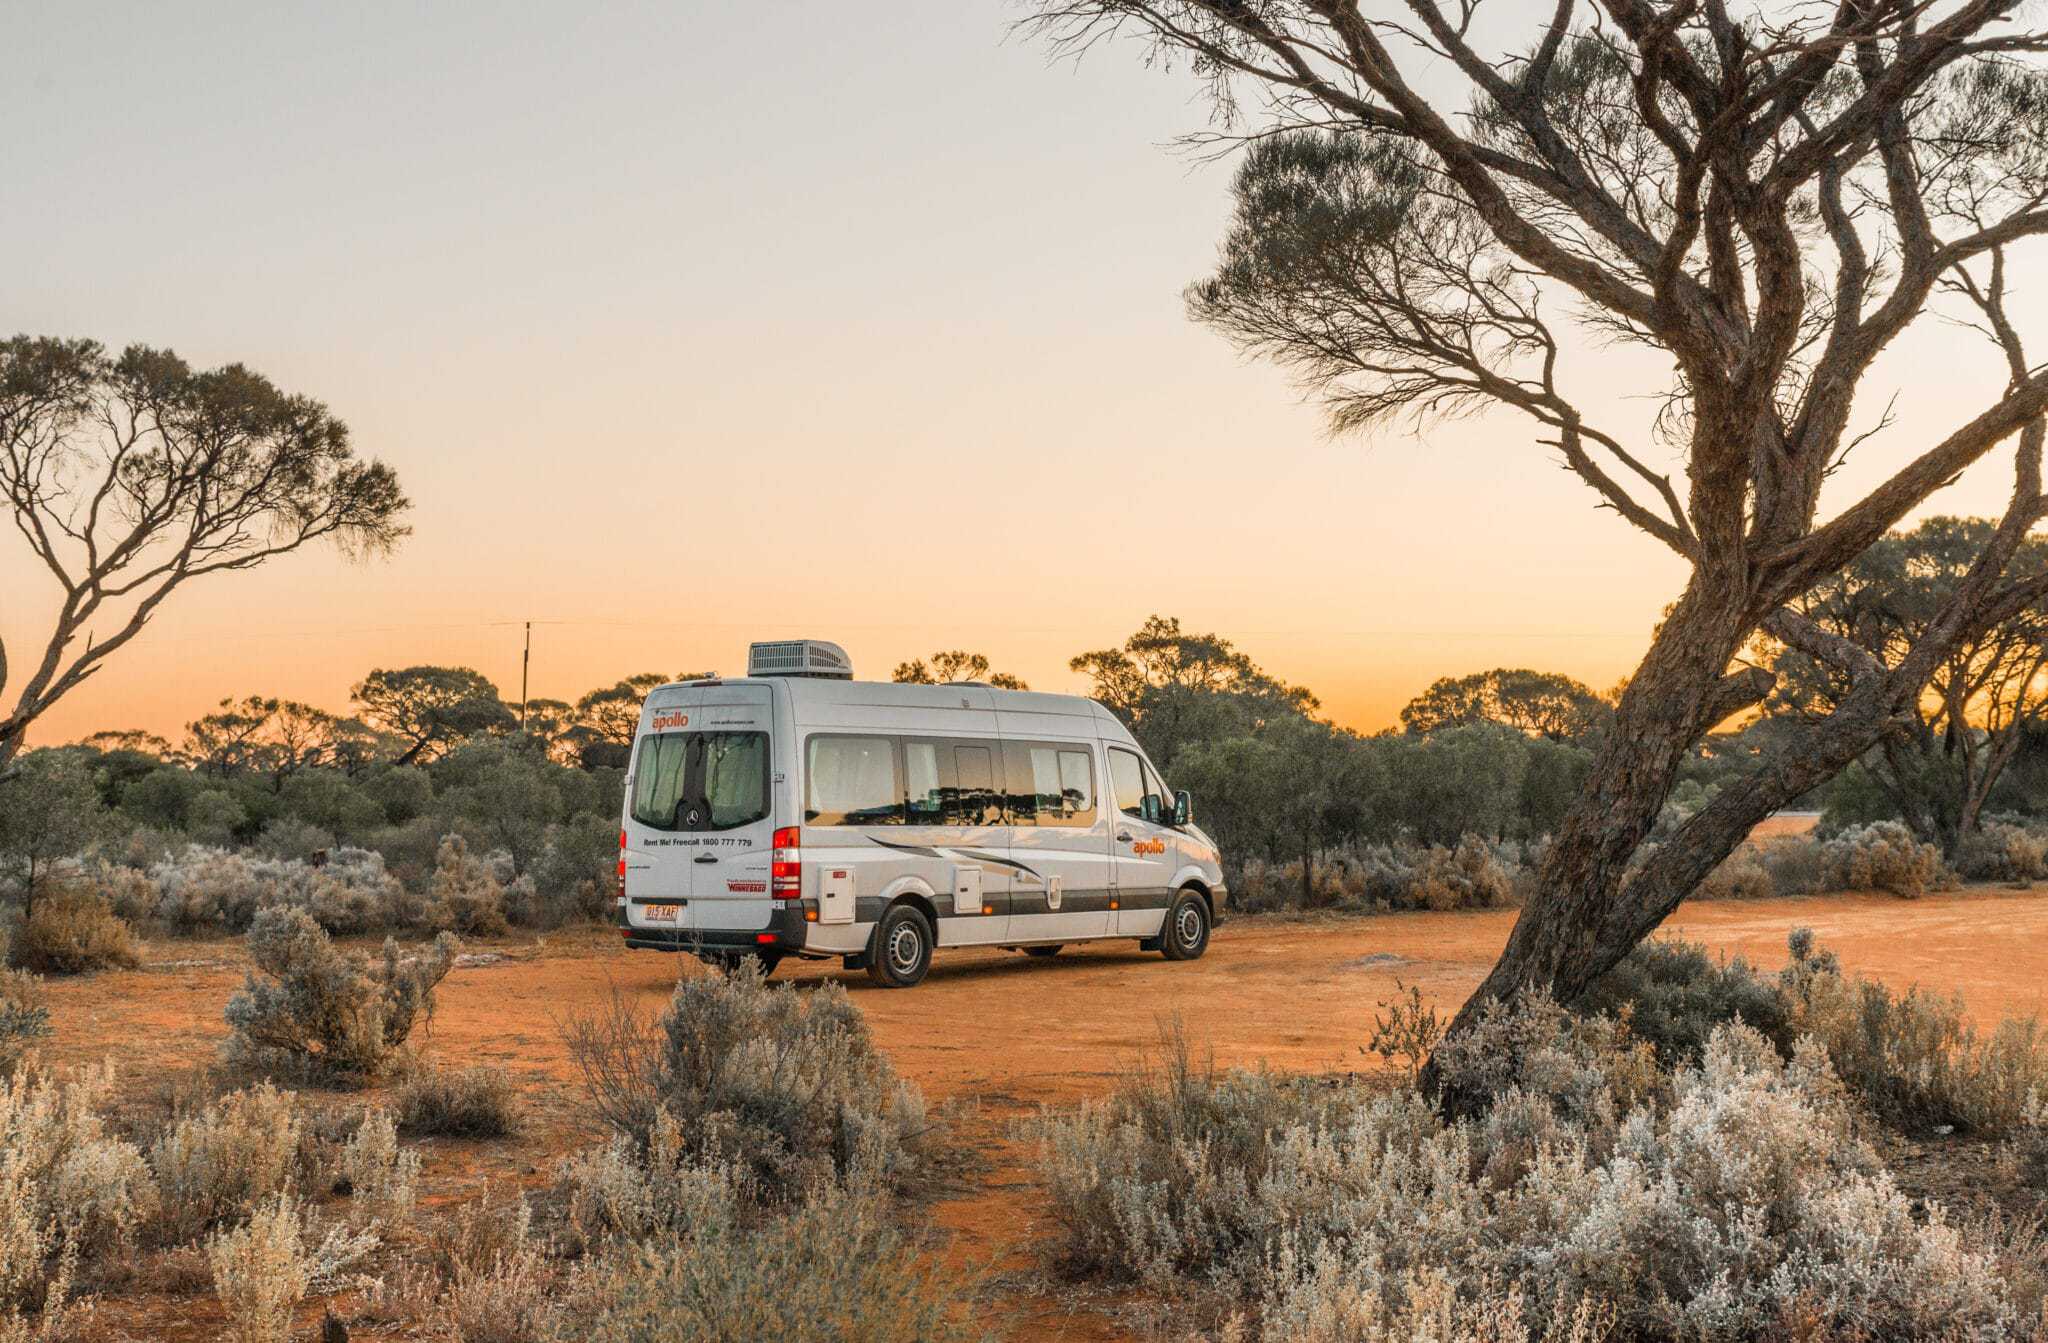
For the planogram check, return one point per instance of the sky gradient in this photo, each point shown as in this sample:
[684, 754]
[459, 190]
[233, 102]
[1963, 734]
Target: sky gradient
[686, 325]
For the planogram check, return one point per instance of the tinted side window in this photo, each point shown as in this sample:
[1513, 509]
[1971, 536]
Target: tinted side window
[1127, 781]
[928, 782]
[976, 800]
[852, 781]
[1049, 784]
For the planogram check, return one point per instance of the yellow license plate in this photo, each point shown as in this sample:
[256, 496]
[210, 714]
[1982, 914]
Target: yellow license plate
[661, 913]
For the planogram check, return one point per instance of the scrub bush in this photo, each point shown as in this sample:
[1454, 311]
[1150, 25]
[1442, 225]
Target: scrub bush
[1717, 1201]
[263, 1269]
[382, 1176]
[1475, 874]
[72, 932]
[2003, 850]
[211, 890]
[321, 1012]
[787, 1086]
[1882, 856]
[468, 892]
[213, 1166]
[457, 1103]
[68, 1189]
[1794, 863]
[573, 879]
[24, 1019]
[1675, 994]
[1742, 875]
[727, 1278]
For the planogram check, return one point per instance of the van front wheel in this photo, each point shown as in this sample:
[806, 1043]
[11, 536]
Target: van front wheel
[902, 952]
[1186, 934]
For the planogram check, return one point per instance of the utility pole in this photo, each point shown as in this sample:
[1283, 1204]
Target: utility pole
[525, 662]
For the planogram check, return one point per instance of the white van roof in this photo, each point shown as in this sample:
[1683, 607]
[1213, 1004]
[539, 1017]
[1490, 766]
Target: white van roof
[818, 693]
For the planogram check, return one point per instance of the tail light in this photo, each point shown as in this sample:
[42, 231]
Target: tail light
[786, 876]
[622, 865]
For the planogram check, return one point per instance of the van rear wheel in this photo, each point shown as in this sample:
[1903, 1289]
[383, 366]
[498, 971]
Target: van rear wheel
[902, 952]
[1186, 933]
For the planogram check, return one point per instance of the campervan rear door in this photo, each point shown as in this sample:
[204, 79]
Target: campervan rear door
[700, 813]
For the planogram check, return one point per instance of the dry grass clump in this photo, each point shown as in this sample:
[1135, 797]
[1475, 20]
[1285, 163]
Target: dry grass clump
[728, 1278]
[1709, 1202]
[215, 1165]
[72, 932]
[323, 1013]
[264, 1268]
[457, 1102]
[24, 1017]
[788, 1086]
[1882, 856]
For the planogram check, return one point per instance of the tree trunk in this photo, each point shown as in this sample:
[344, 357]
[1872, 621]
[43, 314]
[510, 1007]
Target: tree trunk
[1575, 926]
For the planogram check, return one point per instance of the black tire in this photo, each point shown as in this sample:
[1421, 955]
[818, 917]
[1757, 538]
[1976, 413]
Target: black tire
[1053, 950]
[902, 951]
[1185, 934]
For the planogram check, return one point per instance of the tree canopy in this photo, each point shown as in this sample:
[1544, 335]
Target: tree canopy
[1542, 704]
[129, 476]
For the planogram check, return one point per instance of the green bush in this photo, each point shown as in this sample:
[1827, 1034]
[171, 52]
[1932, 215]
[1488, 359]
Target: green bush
[1882, 856]
[321, 1013]
[1676, 994]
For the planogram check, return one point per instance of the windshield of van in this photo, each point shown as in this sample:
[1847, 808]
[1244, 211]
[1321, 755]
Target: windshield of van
[701, 780]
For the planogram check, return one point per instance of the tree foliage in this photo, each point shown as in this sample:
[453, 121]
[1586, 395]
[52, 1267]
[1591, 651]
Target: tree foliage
[429, 709]
[1941, 766]
[129, 476]
[952, 666]
[1542, 704]
[1764, 203]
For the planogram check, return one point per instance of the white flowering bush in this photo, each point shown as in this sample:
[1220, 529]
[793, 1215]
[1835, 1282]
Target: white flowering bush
[214, 1165]
[263, 1268]
[1882, 856]
[382, 1176]
[1722, 1200]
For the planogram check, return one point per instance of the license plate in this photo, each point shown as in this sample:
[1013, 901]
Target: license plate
[661, 913]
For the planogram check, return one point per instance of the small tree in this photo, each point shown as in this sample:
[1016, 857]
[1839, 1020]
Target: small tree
[49, 810]
[952, 666]
[130, 477]
[1173, 687]
[1940, 764]
[429, 709]
[1542, 704]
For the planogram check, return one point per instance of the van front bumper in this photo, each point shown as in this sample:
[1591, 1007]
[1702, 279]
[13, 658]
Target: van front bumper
[784, 933]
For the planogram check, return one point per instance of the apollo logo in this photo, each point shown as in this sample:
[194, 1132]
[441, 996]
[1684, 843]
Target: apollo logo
[1148, 846]
[667, 720]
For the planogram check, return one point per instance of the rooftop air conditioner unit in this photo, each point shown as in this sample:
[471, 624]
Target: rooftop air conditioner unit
[799, 657]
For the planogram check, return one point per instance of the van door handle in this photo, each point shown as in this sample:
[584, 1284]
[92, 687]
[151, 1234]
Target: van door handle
[1123, 836]
[706, 858]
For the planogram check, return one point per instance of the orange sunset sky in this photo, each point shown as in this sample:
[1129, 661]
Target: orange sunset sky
[686, 325]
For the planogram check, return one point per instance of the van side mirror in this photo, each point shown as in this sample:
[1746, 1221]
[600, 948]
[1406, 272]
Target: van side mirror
[1148, 809]
[1183, 808]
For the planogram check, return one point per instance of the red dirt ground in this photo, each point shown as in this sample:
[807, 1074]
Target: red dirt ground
[1296, 995]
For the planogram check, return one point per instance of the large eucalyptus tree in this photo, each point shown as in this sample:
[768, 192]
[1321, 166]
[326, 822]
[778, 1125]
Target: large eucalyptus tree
[1768, 196]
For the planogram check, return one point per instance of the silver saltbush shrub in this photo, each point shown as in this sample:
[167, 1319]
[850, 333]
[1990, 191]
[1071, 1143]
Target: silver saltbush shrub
[1723, 1201]
[318, 1011]
[205, 890]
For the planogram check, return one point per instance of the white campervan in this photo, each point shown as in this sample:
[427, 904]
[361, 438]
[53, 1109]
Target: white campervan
[799, 812]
